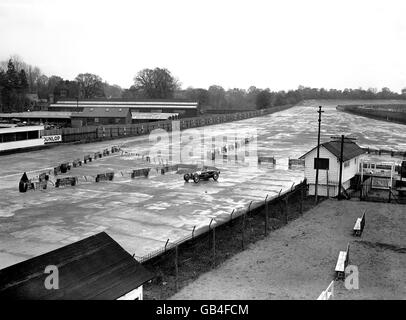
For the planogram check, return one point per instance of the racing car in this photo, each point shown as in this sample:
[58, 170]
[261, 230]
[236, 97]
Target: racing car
[202, 174]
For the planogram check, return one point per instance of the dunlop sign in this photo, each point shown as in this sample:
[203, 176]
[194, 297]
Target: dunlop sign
[49, 139]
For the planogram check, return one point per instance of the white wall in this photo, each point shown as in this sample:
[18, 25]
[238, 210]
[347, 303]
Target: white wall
[21, 144]
[133, 295]
[333, 173]
[310, 172]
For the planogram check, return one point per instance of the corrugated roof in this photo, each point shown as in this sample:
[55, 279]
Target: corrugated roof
[131, 101]
[117, 103]
[38, 115]
[105, 112]
[350, 150]
[94, 268]
[152, 115]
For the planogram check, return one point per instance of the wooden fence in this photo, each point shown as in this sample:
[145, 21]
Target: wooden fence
[106, 132]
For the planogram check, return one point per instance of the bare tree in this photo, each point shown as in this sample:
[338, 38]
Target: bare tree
[156, 83]
[90, 85]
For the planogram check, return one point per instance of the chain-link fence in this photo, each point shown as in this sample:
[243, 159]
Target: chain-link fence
[177, 262]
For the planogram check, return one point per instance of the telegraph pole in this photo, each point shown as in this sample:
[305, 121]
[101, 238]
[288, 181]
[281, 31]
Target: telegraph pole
[318, 156]
[341, 168]
[343, 140]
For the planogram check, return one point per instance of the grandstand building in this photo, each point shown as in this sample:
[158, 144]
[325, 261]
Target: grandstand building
[141, 110]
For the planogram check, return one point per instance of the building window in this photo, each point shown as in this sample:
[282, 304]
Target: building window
[21, 136]
[118, 120]
[346, 164]
[8, 137]
[33, 134]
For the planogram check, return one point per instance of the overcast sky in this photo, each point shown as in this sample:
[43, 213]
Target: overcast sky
[275, 44]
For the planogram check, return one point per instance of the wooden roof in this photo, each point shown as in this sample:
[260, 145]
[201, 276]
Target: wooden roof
[96, 267]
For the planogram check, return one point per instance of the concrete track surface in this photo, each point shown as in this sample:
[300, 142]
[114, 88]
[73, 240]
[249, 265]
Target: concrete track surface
[142, 213]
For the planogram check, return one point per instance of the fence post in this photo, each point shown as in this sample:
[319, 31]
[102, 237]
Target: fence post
[166, 244]
[301, 198]
[176, 268]
[266, 216]
[193, 232]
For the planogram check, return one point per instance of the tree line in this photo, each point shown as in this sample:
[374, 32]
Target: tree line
[18, 78]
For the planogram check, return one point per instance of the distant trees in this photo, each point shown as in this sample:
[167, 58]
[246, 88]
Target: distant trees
[263, 99]
[90, 86]
[17, 78]
[13, 86]
[112, 91]
[155, 84]
[200, 95]
[217, 97]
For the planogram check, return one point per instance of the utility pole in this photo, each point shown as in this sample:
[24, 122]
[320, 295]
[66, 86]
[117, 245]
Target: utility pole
[341, 167]
[318, 156]
[343, 139]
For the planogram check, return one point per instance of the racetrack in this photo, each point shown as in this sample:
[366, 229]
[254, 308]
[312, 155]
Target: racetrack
[142, 213]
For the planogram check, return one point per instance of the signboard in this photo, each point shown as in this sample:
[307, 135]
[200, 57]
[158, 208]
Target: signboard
[51, 139]
[321, 163]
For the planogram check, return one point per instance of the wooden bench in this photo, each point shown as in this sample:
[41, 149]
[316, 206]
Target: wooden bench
[108, 176]
[97, 154]
[115, 149]
[359, 225]
[140, 172]
[67, 181]
[87, 158]
[342, 262]
[77, 163]
[65, 167]
[57, 170]
[267, 159]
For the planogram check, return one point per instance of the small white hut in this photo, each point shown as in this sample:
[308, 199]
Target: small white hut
[330, 163]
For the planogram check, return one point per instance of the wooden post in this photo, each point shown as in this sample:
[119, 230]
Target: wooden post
[318, 156]
[266, 216]
[341, 168]
[301, 198]
[176, 268]
[328, 186]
